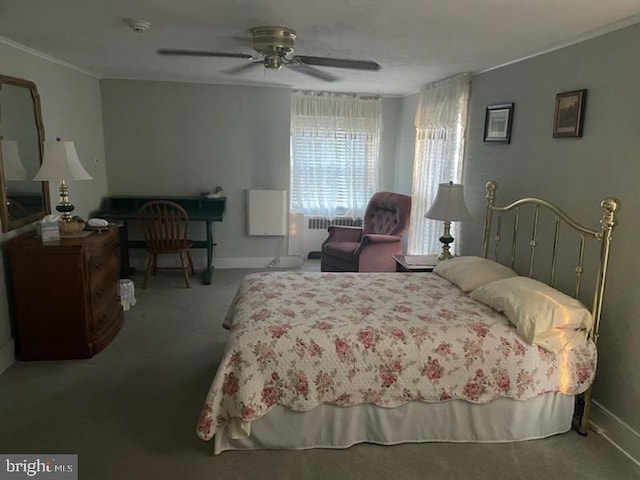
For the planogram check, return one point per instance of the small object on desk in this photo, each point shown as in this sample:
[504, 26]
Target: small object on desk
[109, 226]
[415, 263]
[98, 222]
[99, 225]
[217, 193]
[49, 229]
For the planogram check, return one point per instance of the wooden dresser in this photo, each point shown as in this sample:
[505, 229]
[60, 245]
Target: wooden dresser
[65, 295]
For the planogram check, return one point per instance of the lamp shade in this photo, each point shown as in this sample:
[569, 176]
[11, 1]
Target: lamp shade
[13, 167]
[61, 162]
[449, 204]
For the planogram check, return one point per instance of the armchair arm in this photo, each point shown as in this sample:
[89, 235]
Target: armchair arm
[377, 242]
[338, 233]
[375, 251]
[379, 238]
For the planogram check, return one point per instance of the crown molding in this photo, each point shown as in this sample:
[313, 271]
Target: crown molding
[44, 56]
[591, 34]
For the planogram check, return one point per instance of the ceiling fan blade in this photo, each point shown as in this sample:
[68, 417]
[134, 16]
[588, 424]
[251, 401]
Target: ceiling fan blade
[314, 72]
[242, 68]
[339, 63]
[200, 53]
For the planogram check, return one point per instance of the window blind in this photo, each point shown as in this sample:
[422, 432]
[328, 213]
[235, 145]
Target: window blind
[334, 154]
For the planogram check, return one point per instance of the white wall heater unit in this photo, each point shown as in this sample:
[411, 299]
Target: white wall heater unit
[306, 234]
[267, 212]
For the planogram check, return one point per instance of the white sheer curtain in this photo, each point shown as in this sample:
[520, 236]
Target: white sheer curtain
[335, 142]
[441, 120]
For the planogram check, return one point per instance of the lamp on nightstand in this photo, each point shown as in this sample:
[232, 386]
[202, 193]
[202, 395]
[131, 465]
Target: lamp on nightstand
[60, 163]
[449, 207]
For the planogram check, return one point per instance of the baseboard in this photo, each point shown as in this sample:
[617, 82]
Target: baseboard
[621, 435]
[7, 356]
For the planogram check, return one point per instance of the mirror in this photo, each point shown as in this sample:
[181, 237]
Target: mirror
[21, 138]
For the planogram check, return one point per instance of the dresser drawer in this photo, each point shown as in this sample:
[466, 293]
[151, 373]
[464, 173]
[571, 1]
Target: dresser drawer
[103, 263]
[104, 319]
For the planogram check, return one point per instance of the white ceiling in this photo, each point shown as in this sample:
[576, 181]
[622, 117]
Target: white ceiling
[415, 41]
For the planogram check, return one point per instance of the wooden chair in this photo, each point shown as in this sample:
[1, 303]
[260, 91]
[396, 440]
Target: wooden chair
[165, 225]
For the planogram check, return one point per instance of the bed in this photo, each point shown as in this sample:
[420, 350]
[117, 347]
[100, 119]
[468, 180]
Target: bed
[333, 359]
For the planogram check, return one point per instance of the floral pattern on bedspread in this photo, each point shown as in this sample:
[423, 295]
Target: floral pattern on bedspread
[301, 339]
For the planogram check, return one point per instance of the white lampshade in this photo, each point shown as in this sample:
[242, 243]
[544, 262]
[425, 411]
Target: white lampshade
[60, 162]
[13, 167]
[449, 204]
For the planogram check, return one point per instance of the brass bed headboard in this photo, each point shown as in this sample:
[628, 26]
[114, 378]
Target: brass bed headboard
[609, 206]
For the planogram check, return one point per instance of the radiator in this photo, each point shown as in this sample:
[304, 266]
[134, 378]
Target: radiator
[306, 234]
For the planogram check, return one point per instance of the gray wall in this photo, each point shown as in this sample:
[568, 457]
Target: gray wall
[71, 110]
[406, 144]
[166, 138]
[576, 173]
[391, 113]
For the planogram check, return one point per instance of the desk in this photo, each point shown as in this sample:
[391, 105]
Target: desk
[199, 209]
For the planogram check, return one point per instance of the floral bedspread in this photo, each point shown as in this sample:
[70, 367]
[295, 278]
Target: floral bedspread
[301, 339]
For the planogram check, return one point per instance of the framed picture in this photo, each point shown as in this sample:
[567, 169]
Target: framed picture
[497, 123]
[569, 114]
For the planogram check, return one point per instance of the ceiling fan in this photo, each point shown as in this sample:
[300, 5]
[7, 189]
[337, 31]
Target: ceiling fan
[274, 46]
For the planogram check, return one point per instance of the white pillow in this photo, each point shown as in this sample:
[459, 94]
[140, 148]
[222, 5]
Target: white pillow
[541, 314]
[469, 273]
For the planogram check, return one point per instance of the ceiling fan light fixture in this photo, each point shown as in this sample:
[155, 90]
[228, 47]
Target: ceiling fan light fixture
[273, 62]
[138, 25]
[267, 39]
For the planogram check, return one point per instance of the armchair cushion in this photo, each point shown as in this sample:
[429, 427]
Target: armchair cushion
[344, 250]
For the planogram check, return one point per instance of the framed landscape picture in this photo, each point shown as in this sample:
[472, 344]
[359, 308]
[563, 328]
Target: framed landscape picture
[569, 114]
[497, 123]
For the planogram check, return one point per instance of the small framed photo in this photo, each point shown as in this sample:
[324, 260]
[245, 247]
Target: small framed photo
[497, 123]
[569, 114]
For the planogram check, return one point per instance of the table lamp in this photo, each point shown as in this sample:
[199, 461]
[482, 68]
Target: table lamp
[60, 163]
[449, 207]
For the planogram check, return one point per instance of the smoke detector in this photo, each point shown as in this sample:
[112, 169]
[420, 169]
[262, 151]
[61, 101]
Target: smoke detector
[138, 25]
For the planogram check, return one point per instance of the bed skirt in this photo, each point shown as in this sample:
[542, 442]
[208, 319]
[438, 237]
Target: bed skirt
[328, 426]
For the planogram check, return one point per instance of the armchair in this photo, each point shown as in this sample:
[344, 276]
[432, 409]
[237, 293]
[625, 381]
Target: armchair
[369, 249]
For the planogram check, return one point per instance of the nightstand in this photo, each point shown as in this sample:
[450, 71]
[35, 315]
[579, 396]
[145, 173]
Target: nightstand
[415, 263]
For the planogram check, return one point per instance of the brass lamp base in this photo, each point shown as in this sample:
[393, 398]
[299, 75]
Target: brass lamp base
[446, 239]
[64, 207]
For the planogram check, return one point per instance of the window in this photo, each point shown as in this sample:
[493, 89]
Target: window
[334, 153]
[439, 152]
